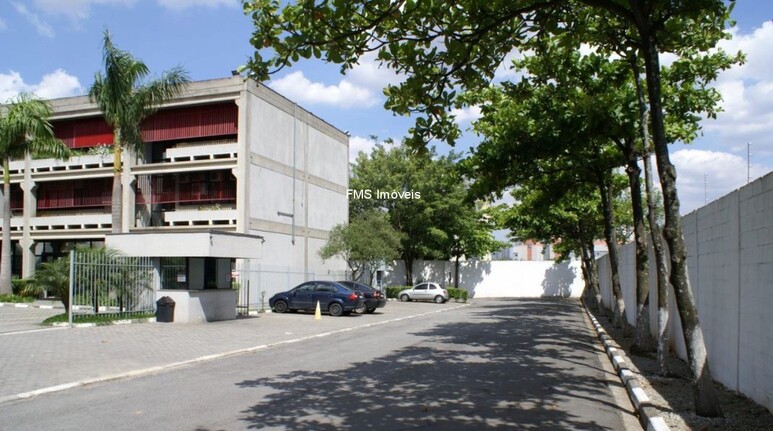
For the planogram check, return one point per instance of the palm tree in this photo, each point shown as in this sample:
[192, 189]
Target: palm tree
[52, 277]
[24, 128]
[126, 97]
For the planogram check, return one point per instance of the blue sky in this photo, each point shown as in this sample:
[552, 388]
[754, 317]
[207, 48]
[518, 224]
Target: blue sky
[52, 47]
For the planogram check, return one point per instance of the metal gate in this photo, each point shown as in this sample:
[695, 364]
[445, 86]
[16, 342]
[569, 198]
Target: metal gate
[103, 282]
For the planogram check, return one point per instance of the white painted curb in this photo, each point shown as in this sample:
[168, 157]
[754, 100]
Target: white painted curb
[638, 397]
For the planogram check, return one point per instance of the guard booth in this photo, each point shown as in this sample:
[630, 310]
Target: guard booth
[195, 268]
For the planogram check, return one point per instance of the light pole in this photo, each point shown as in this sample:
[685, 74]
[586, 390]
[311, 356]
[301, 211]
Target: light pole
[748, 162]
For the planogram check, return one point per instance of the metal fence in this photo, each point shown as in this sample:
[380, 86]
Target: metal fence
[257, 283]
[104, 283]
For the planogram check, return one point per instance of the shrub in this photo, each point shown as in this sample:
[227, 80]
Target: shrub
[18, 285]
[459, 295]
[16, 298]
[392, 291]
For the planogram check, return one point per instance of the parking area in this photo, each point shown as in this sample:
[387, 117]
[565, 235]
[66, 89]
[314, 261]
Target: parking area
[40, 359]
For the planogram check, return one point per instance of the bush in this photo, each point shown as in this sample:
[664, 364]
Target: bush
[16, 298]
[392, 291]
[460, 295]
[18, 284]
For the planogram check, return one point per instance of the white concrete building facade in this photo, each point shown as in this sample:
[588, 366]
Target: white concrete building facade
[231, 169]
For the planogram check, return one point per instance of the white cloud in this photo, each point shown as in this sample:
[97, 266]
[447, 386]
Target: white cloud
[747, 92]
[297, 87]
[466, 114]
[43, 28]
[3, 25]
[359, 144]
[708, 175]
[369, 73]
[56, 84]
[185, 4]
[76, 10]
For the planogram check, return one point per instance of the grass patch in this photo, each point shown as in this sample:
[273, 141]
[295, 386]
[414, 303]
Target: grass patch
[99, 319]
[16, 298]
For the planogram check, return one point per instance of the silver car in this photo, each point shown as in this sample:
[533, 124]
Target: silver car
[424, 292]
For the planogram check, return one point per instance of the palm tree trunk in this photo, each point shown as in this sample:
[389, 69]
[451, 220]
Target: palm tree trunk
[5, 259]
[117, 196]
[706, 401]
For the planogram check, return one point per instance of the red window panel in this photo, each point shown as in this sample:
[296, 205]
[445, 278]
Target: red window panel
[195, 187]
[191, 122]
[17, 197]
[74, 194]
[83, 133]
[165, 125]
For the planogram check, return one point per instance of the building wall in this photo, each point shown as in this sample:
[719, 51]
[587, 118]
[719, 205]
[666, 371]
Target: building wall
[298, 177]
[730, 265]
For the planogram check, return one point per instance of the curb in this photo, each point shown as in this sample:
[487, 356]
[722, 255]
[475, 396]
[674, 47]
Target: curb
[109, 323]
[29, 305]
[649, 416]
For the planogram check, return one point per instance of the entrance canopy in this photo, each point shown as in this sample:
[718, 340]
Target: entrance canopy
[210, 243]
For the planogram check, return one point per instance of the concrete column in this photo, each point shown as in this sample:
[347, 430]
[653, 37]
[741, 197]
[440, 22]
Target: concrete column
[242, 170]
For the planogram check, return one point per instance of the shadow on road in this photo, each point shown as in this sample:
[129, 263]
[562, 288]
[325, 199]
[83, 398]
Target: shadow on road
[517, 364]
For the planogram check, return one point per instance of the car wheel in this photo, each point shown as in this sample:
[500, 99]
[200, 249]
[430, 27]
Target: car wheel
[335, 309]
[439, 299]
[404, 297]
[280, 306]
[370, 310]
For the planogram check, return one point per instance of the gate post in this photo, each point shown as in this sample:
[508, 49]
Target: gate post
[69, 292]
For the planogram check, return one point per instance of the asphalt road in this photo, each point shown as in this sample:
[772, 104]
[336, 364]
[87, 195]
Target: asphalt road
[493, 365]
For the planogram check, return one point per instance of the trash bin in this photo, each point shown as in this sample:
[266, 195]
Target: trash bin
[165, 310]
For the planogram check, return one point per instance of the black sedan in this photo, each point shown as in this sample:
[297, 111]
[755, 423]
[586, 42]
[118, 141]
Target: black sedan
[374, 298]
[332, 297]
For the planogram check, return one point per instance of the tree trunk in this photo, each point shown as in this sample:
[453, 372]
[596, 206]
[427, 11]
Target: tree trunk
[456, 273]
[661, 270]
[642, 338]
[593, 270]
[605, 189]
[5, 260]
[408, 261]
[661, 267]
[706, 401]
[117, 196]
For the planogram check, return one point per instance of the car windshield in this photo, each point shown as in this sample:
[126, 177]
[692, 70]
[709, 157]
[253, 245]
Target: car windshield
[357, 286]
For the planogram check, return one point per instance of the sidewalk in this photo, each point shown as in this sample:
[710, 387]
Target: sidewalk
[41, 361]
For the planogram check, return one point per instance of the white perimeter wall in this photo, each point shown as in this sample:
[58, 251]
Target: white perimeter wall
[730, 264]
[497, 279]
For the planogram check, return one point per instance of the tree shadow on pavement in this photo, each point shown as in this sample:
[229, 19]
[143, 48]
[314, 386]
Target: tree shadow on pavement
[516, 364]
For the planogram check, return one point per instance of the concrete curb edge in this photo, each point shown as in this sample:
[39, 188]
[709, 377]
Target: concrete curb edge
[649, 416]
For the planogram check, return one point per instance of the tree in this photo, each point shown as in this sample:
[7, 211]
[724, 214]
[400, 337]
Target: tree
[125, 97]
[365, 243]
[24, 129]
[442, 49]
[425, 200]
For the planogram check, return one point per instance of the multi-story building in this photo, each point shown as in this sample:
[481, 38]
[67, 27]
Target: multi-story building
[230, 170]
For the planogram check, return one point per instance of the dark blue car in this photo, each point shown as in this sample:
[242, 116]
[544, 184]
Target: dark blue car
[332, 297]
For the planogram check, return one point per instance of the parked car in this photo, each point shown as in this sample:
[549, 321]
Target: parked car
[374, 298]
[332, 297]
[424, 292]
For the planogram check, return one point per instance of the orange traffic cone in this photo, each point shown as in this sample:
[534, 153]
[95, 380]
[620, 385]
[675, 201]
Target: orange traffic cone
[317, 313]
